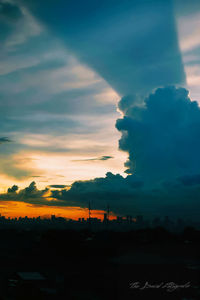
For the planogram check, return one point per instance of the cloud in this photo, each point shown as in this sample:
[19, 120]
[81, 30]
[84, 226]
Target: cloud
[162, 139]
[185, 7]
[162, 136]
[112, 188]
[30, 194]
[128, 195]
[9, 11]
[189, 180]
[102, 158]
[133, 45]
[15, 163]
[58, 186]
[13, 189]
[131, 195]
[105, 157]
[4, 140]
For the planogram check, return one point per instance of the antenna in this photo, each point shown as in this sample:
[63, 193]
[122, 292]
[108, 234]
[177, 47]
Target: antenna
[89, 210]
[108, 211]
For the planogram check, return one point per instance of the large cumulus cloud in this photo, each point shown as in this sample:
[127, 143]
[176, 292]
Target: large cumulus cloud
[162, 135]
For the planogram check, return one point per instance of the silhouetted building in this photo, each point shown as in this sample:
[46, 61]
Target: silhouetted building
[119, 219]
[105, 218]
[139, 221]
[156, 222]
[26, 284]
[129, 219]
[53, 217]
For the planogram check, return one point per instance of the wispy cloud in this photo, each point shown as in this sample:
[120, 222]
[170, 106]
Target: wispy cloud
[51, 103]
[58, 186]
[126, 42]
[5, 140]
[102, 158]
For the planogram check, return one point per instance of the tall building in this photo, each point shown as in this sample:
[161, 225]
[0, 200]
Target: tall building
[105, 217]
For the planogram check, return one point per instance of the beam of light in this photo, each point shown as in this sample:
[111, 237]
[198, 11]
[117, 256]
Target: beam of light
[189, 42]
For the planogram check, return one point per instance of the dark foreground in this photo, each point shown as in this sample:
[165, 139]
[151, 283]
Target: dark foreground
[67, 264]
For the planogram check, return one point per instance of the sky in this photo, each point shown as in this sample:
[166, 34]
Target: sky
[99, 100]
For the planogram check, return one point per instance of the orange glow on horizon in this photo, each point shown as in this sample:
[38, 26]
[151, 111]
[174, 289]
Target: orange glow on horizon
[14, 209]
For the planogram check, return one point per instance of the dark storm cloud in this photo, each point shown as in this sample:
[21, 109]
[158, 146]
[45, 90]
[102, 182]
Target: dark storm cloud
[162, 139]
[162, 136]
[119, 193]
[112, 188]
[128, 101]
[124, 195]
[131, 44]
[130, 196]
[190, 179]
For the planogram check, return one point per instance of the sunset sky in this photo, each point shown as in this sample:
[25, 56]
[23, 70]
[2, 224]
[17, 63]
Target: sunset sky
[64, 66]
